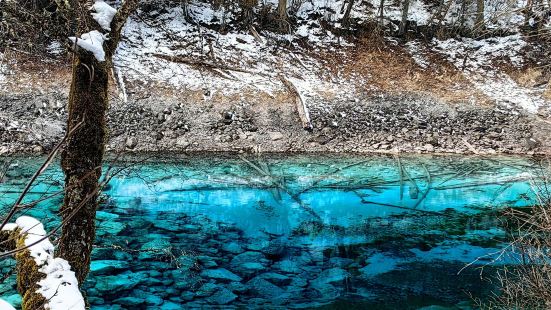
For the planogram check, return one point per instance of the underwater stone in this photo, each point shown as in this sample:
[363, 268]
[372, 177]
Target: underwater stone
[276, 278]
[100, 267]
[110, 229]
[250, 268]
[222, 297]
[237, 287]
[300, 282]
[185, 262]
[187, 296]
[331, 276]
[207, 261]
[263, 288]
[153, 300]
[96, 300]
[115, 284]
[247, 257]
[287, 266]
[221, 274]
[324, 291]
[129, 301]
[232, 247]
[168, 305]
[206, 290]
[106, 216]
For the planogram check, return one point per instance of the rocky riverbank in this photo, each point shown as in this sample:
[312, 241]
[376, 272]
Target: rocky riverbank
[372, 123]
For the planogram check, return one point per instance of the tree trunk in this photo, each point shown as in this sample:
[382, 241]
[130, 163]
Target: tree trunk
[346, 16]
[381, 13]
[403, 22]
[82, 157]
[282, 12]
[479, 24]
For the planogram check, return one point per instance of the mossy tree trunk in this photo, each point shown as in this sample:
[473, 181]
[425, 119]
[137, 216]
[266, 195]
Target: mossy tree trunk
[83, 155]
[27, 270]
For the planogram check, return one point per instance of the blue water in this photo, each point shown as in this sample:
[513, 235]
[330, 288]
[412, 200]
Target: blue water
[220, 231]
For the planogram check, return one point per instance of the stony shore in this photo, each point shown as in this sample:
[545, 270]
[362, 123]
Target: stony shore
[389, 123]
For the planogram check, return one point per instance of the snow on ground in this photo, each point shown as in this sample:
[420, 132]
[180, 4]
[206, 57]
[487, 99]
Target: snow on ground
[3, 68]
[189, 56]
[478, 60]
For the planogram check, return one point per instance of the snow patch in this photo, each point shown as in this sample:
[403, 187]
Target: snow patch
[9, 227]
[93, 42]
[60, 287]
[4, 305]
[55, 48]
[477, 59]
[104, 14]
[43, 249]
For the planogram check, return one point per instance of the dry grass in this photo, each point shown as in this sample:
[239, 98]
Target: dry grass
[527, 285]
[391, 69]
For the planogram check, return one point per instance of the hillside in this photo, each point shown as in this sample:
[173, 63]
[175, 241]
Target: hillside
[193, 78]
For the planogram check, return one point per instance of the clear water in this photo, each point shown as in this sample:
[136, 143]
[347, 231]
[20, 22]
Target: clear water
[330, 232]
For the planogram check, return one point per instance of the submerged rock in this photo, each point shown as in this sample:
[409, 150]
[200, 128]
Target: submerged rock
[108, 267]
[129, 301]
[265, 289]
[206, 290]
[333, 275]
[222, 297]
[221, 274]
[112, 285]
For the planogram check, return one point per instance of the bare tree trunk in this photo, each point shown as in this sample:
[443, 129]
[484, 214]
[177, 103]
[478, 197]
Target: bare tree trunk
[282, 12]
[403, 22]
[83, 155]
[479, 23]
[381, 13]
[346, 16]
[528, 12]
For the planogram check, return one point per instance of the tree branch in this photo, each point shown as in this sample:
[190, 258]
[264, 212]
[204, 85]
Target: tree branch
[126, 9]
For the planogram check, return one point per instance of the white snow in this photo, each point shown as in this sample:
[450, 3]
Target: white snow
[60, 286]
[55, 48]
[104, 14]
[93, 42]
[4, 305]
[44, 249]
[9, 226]
[478, 60]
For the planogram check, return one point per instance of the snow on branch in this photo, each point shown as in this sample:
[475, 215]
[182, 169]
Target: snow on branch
[4, 305]
[58, 284]
[93, 42]
[104, 14]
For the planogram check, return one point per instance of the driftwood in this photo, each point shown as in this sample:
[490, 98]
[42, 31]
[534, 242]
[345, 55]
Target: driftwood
[302, 109]
[255, 34]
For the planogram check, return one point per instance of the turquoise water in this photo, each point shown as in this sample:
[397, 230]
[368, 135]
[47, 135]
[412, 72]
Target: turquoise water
[221, 231]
